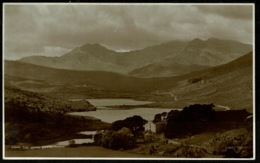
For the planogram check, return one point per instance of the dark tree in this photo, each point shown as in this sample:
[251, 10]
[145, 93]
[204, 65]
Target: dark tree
[190, 120]
[159, 117]
[198, 118]
[135, 124]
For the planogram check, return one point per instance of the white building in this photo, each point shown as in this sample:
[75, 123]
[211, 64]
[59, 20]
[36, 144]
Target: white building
[150, 126]
[155, 127]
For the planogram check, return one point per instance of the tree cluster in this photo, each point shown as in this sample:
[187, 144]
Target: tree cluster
[135, 124]
[121, 139]
[191, 120]
[159, 117]
[27, 122]
[198, 118]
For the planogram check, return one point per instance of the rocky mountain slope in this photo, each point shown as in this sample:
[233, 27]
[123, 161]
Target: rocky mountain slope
[228, 84]
[171, 58]
[196, 55]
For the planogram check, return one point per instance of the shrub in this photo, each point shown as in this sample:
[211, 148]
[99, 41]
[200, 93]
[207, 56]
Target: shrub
[135, 124]
[190, 120]
[115, 139]
[194, 80]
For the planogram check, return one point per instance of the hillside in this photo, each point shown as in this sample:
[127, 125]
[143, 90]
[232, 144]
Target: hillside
[98, 80]
[228, 84]
[170, 55]
[164, 69]
[44, 103]
[196, 55]
[37, 119]
[213, 52]
[86, 57]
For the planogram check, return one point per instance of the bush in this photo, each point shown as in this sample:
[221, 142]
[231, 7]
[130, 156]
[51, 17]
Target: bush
[198, 118]
[194, 80]
[159, 117]
[190, 120]
[115, 139]
[135, 124]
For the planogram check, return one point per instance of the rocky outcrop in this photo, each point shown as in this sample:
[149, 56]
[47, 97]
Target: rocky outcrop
[236, 143]
[81, 105]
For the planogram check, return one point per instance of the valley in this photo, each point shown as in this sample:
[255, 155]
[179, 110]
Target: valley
[60, 101]
[149, 81]
[228, 84]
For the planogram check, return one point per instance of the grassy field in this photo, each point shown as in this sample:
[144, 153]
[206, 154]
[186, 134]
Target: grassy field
[87, 151]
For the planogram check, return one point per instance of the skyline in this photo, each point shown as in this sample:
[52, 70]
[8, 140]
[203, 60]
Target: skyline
[53, 30]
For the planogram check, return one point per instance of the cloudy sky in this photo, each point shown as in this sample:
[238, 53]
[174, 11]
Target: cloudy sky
[53, 30]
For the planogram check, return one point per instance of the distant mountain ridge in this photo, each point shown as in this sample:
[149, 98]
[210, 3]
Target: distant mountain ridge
[167, 59]
[229, 84]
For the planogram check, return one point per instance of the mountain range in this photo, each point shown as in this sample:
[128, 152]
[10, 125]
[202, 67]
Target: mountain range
[228, 84]
[176, 73]
[167, 59]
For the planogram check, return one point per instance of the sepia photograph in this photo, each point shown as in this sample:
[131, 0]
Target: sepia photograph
[146, 81]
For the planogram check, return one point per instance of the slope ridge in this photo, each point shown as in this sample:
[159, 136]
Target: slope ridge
[211, 52]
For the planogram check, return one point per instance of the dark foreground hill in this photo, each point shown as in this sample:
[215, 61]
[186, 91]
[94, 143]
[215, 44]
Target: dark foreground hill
[36, 119]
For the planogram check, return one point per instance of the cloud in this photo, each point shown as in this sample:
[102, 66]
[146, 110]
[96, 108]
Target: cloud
[52, 30]
[228, 11]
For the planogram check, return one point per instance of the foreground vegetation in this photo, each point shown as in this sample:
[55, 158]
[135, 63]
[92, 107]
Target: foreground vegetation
[196, 131]
[196, 119]
[36, 119]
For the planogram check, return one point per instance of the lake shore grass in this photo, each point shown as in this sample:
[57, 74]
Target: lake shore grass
[79, 152]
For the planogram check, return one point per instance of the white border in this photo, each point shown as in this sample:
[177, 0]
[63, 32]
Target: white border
[123, 4]
[253, 76]
[3, 66]
[135, 4]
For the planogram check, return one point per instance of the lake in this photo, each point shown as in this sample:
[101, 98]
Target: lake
[114, 102]
[79, 141]
[110, 115]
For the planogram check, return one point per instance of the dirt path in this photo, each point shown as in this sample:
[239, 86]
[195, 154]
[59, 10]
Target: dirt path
[222, 106]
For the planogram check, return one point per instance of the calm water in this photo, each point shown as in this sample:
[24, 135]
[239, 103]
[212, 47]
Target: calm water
[79, 141]
[112, 102]
[114, 115]
[110, 115]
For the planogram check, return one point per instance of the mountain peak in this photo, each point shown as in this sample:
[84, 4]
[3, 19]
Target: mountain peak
[94, 48]
[212, 39]
[197, 40]
[196, 43]
[97, 45]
